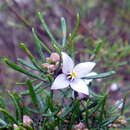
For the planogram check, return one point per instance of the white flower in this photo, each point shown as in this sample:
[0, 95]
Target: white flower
[87, 82]
[71, 75]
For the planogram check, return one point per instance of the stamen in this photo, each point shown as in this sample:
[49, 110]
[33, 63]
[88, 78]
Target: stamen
[71, 76]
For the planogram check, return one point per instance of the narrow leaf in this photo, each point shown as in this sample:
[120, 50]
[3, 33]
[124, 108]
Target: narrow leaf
[108, 121]
[32, 93]
[36, 87]
[10, 117]
[73, 34]
[16, 102]
[102, 75]
[98, 46]
[20, 69]
[50, 114]
[31, 57]
[44, 25]
[64, 30]
[23, 62]
[40, 44]
[3, 123]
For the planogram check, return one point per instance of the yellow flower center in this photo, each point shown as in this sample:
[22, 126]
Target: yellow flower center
[73, 74]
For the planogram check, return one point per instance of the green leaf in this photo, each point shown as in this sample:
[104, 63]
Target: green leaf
[102, 75]
[51, 114]
[99, 44]
[78, 38]
[26, 50]
[44, 25]
[69, 108]
[31, 57]
[18, 68]
[42, 89]
[74, 33]
[8, 115]
[16, 101]
[24, 62]
[109, 121]
[98, 105]
[94, 94]
[3, 123]
[32, 93]
[41, 102]
[70, 44]
[30, 110]
[24, 83]
[2, 102]
[113, 109]
[103, 103]
[64, 31]
[75, 113]
[36, 87]
[57, 49]
[50, 103]
[40, 44]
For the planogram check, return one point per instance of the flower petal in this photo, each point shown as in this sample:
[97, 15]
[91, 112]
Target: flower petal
[83, 69]
[68, 63]
[81, 95]
[60, 82]
[87, 81]
[79, 86]
[91, 74]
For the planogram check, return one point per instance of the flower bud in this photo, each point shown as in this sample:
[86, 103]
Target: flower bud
[27, 120]
[16, 127]
[121, 120]
[55, 57]
[80, 126]
[45, 65]
[52, 68]
[113, 126]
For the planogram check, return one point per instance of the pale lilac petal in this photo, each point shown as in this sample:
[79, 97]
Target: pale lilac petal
[83, 69]
[60, 82]
[91, 74]
[79, 86]
[81, 95]
[87, 81]
[68, 63]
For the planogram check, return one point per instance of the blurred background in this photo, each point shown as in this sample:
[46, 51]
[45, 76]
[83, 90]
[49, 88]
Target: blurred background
[101, 20]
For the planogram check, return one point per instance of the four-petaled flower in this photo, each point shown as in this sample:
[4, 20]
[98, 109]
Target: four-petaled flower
[72, 76]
